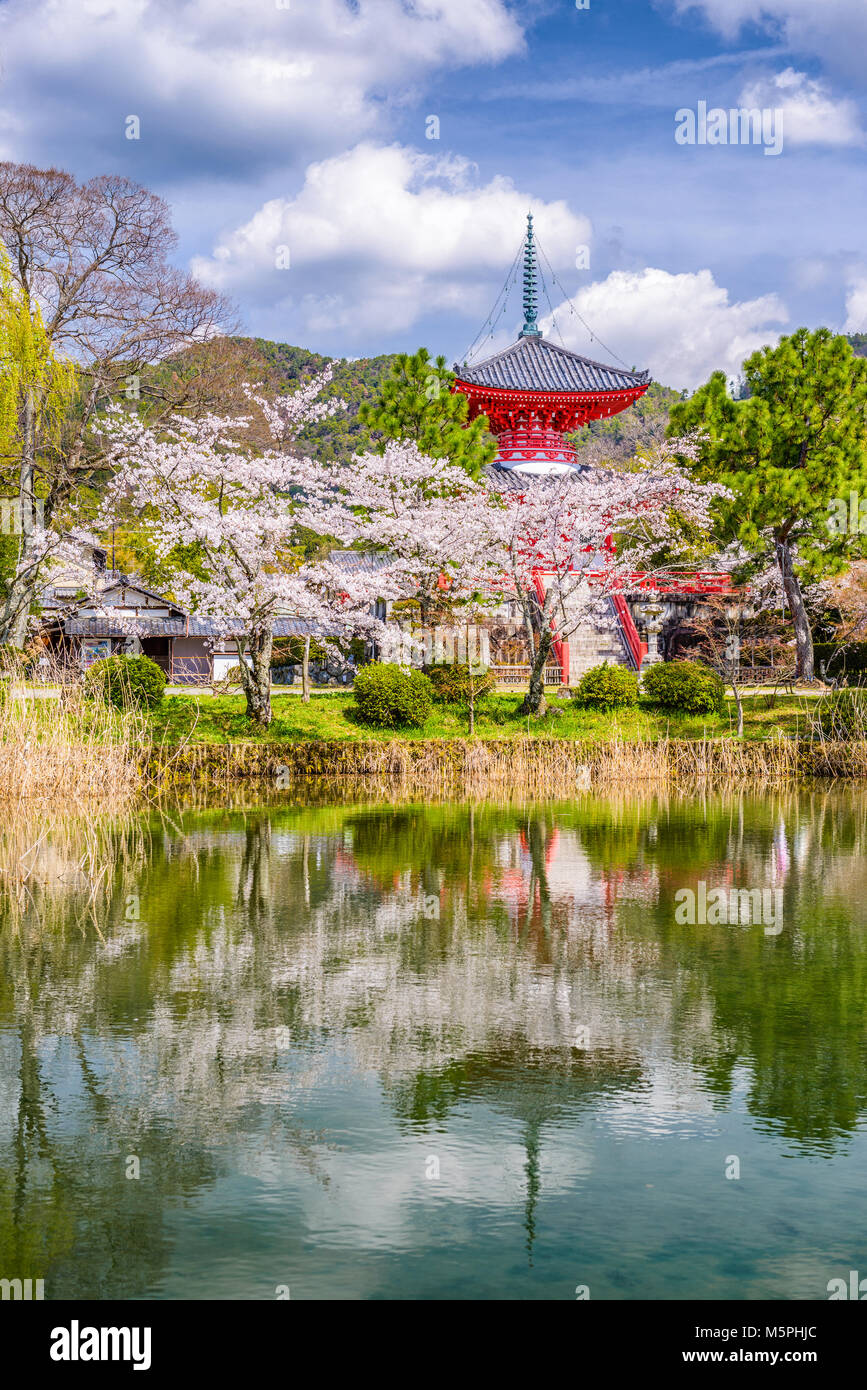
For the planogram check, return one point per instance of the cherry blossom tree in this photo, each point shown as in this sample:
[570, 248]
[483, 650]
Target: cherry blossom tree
[425, 513]
[434, 523]
[227, 516]
[223, 519]
[569, 542]
[561, 545]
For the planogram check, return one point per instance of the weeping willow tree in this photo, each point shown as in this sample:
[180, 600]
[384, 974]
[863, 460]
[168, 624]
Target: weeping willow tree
[36, 394]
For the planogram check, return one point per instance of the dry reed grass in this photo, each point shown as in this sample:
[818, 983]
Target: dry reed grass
[532, 767]
[70, 776]
[62, 869]
[61, 747]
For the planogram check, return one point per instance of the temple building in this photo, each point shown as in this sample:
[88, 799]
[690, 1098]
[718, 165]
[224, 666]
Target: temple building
[535, 393]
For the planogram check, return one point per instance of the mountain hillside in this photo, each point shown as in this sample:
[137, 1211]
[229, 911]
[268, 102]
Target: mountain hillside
[639, 428]
[354, 381]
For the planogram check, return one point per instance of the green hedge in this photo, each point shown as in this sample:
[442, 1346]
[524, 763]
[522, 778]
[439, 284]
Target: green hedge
[129, 682]
[685, 686]
[392, 697]
[608, 687]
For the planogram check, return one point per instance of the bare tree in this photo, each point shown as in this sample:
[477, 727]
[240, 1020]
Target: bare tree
[93, 258]
[750, 620]
[718, 626]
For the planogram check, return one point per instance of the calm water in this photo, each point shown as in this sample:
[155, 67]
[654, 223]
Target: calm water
[441, 1051]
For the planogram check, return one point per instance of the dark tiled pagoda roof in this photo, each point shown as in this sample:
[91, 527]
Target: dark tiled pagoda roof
[513, 480]
[534, 364]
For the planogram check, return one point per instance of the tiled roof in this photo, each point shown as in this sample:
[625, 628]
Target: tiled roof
[513, 480]
[358, 561]
[183, 625]
[116, 579]
[534, 364]
[106, 626]
[295, 627]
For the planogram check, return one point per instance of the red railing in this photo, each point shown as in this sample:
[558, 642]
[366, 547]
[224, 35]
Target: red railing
[694, 582]
[637, 649]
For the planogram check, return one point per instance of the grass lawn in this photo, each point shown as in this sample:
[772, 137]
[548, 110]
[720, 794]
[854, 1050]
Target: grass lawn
[206, 718]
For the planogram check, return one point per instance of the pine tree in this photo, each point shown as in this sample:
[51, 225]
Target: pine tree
[792, 452]
[417, 403]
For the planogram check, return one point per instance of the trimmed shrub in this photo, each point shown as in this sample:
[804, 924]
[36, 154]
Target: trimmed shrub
[608, 687]
[843, 715]
[392, 697]
[128, 682]
[684, 686]
[451, 684]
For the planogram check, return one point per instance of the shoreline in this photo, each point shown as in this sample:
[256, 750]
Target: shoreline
[556, 765]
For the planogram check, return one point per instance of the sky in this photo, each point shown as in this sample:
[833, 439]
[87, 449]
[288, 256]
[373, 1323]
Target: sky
[356, 174]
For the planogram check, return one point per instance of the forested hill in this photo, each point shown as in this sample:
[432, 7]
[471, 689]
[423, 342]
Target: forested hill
[354, 381]
[859, 343]
[621, 437]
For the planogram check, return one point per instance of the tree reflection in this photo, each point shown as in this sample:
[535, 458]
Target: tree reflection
[520, 958]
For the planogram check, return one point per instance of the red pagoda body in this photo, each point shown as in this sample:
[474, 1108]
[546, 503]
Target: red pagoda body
[535, 393]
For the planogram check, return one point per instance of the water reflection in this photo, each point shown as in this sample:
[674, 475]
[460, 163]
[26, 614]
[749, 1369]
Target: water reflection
[300, 1005]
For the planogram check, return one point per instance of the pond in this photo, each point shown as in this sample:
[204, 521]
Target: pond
[355, 1050]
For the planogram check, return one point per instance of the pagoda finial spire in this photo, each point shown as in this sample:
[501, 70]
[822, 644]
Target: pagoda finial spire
[531, 328]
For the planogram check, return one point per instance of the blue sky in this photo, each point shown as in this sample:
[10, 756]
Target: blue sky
[297, 131]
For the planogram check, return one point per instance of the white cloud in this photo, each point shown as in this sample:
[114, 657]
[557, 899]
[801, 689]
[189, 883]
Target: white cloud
[835, 30]
[682, 327]
[811, 116]
[856, 304]
[383, 237]
[378, 238]
[228, 85]
[648, 86]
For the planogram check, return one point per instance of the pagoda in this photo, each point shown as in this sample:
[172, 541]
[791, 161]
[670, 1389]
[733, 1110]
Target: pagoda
[535, 393]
